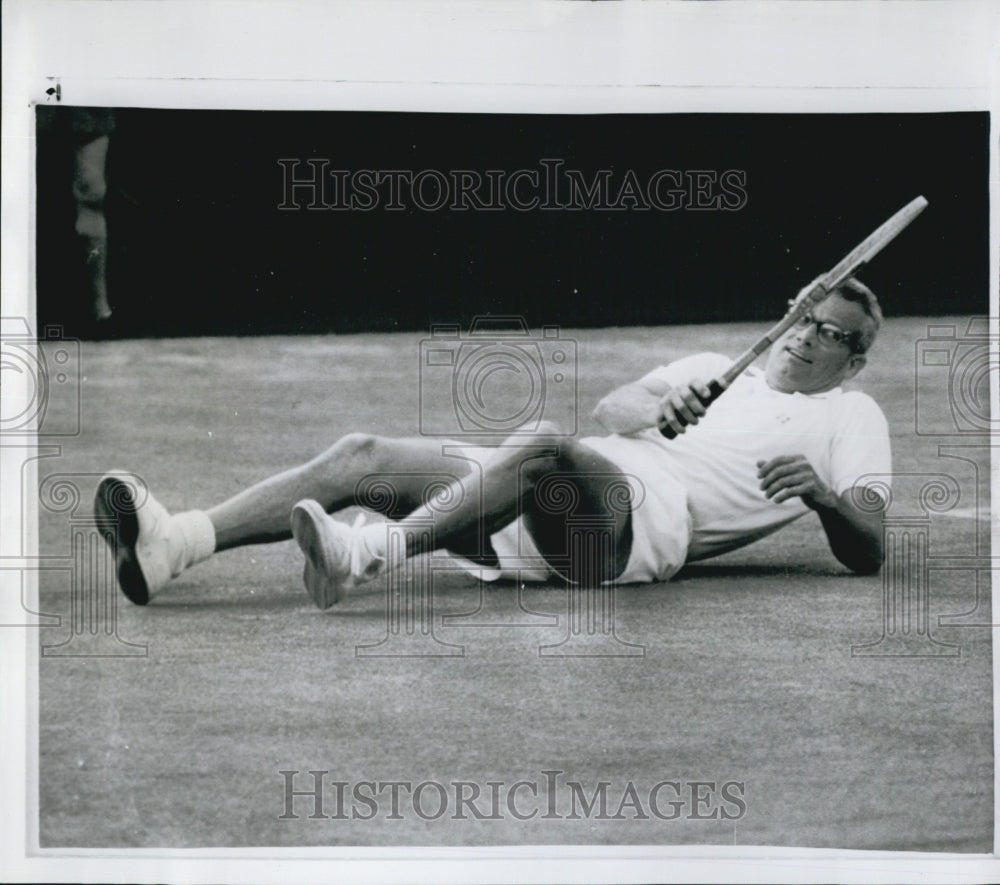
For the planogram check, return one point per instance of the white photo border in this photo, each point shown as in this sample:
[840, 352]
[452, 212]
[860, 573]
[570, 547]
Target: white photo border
[486, 56]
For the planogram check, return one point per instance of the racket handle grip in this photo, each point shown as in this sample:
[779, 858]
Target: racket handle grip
[715, 390]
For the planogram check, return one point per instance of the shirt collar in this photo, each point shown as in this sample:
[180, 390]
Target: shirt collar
[759, 378]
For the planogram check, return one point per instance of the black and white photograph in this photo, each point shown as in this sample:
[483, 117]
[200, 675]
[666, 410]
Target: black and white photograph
[587, 476]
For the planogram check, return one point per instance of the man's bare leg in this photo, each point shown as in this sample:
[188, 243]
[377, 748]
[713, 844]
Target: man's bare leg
[338, 559]
[260, 513]
[510, 486]
[152, 546]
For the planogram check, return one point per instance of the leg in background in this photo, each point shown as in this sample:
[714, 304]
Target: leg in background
[89, 190]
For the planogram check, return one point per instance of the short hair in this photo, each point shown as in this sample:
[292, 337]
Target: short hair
[853, 290]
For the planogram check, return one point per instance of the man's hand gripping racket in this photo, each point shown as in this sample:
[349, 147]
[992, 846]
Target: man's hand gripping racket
[689, 405]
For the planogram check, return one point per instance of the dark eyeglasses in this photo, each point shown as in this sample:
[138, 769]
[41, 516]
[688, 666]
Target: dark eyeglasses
[828, 333]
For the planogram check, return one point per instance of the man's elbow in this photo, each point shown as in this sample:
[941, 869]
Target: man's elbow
[612, 414]
[866, 567]
[601, 413]
[864, 562]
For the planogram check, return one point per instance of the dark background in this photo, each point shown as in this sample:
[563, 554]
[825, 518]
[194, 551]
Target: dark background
[198, 246]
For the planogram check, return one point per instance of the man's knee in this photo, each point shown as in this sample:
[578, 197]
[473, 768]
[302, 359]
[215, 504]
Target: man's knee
[559, 453]
[354, 446]
[548, 428]
[544, 444]
[357, 445]
[90, 188]
[538, 457]
[549, 452]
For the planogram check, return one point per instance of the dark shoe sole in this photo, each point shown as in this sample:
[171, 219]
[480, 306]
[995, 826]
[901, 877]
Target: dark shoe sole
[114, 510]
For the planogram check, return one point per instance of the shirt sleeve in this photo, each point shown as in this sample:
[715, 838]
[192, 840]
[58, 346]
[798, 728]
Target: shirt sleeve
[860, 450]
[682, 372]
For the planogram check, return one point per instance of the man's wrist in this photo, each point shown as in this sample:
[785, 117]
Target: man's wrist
[825, 500]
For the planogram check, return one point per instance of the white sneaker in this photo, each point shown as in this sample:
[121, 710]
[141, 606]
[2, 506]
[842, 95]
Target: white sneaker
[336, 558]
[137, 533]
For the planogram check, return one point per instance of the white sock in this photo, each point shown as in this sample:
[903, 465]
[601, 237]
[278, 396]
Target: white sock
[384, 542]
[197, 535]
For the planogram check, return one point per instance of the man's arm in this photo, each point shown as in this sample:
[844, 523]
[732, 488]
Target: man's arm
[855, 535]
[651, 403]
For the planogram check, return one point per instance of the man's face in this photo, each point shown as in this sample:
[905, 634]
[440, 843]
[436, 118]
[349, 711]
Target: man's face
[803, 361]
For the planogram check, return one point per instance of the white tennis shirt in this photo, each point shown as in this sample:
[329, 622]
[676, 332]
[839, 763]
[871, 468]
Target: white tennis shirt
[844, 435]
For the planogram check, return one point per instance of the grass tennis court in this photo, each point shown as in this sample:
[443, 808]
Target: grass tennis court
[748, 674]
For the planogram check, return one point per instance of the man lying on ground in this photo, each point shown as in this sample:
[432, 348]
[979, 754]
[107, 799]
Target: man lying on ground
[780, 442]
